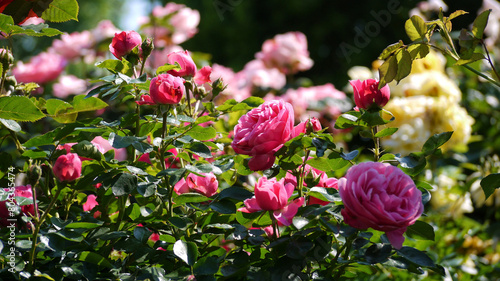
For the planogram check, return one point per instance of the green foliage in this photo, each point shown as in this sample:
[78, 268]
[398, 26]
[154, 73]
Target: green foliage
[61, 11]
[19, 108]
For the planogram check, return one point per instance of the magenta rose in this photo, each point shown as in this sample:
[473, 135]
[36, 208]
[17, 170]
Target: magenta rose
[382, 197]
[124, 42]
[272, 195]
[262, 131]
[188, 67]
[166, 89]
[6, 208]
[68, 167]
[367, 95]
[206, 184]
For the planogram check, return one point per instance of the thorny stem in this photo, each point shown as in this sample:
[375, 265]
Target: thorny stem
[376, 141]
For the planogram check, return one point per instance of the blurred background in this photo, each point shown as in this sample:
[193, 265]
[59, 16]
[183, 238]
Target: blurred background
[232, 31]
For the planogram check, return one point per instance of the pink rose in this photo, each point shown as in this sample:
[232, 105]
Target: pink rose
[286, 52]
[69, 85]
[105, 29]
[367, 95]
[206, 184]
[68, 167]
[42, 68]
[104, 146]
[124, 42]
[272, 195]
[166, 89]
[90, 203]
[19, 191]
[74, 45]
[202, 76]
[188, 67]
[258, 75]
[262, 131]
[382, 197]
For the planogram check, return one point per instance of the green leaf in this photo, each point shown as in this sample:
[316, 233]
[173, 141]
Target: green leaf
[202, 133]
[418, 51]
[88, 150]
[61, 10]
[386, 132]
[348, 120]
[378, 253]
[206, 266]
[81, 103]
[325, 194]
[167, 67]
[489, 184]
[421, 230]
[190, 198]
[480, 23]
[415, 28]
[473, 57]
[410, 165]
[224, 206]
[388, 71]
[11, 125]
[137, 142]
[94, 258]
[435, 142]
[19, 108]
[115, 66]
[416, 256]
[83, 225]
[457, 14]
[403, 58]
[35, 154]
[349, 156]
[186, 251]
[124, 184]
[199, 149]
[389, 50]
[60, 111]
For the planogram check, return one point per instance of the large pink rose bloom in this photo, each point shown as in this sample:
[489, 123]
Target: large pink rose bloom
[42, 68]
[382, 197]
[368, 96]
[262, 131]
[19, 191]
[206, 184]
[166, 89]
[68, 167]
[286, 52]
[272, 195]
[124, 42]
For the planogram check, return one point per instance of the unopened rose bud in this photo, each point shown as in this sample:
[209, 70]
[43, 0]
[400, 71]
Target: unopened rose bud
[6, 59]
[147, 47]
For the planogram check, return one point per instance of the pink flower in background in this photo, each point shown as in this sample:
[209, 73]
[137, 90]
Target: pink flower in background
[202, 76]
[262, 131]
[188, 67]
[166, 89]
[42, 68]
[258, 75]
[69, 85]
[272, 195]
[382, 197]
[206, 184]
[158, 56]
[68, 167]
[367, 95]
[74, 45]
[90, 203]
[105, 29]
[237, 86]
[19, 191]
[124, 42]
[286, 52]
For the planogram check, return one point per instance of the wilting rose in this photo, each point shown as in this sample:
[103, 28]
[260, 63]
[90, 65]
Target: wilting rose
[124, 42]
[188, 67]
[368, 96]
[206, 184]
[166, 89]
[382, 197]
[68, 167]
[19, 191]
[262, 131]
[286, 52]
[42, 68]
[272, 195]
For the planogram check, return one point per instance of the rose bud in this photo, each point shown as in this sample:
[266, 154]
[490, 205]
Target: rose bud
[367, 95]
[124, 42]
[166, 89]
[68, 167]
